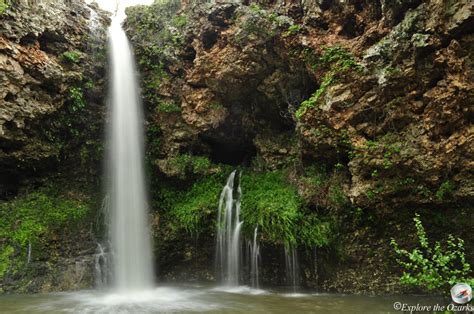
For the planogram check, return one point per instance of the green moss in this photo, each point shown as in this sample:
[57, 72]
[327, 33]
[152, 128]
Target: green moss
[29, 219]
[445, 190]
[168, 107]
[72, 56]
[180, 20]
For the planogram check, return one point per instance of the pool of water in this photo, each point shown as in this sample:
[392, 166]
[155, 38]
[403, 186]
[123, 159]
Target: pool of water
[192, 299]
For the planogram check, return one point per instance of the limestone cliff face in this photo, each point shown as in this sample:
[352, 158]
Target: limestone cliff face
[52, 57]
[52, 100]
[379, 94]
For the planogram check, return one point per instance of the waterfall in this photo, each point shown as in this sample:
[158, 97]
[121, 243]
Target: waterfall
[100, 267]
[291, 267]
[228, 233]
[129, 235]
[254, 257]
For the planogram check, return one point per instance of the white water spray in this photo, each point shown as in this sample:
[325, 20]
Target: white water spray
[129, 234]
[228, 233]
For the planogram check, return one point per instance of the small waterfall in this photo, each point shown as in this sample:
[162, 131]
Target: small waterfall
[129, 235]
[101, 267]
[254, 259]
[28, 259]
[291, 267]
[229, 227]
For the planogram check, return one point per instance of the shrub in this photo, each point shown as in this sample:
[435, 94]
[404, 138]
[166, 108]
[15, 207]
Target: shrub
[433, 266]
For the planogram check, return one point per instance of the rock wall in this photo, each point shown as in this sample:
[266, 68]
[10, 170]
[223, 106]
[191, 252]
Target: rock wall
[367, 105]
[52, 66]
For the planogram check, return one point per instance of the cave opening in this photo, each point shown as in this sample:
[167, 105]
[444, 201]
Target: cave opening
[235, 153]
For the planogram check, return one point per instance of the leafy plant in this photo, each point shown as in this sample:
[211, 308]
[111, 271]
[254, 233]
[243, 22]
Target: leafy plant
[72, 56]
[433, 266]
[76, 97]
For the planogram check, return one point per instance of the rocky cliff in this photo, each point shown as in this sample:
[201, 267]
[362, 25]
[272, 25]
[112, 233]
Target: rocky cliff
[345, 118]
[366, 106]
[52, 64]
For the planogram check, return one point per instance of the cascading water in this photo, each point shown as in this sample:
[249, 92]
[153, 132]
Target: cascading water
[129, 235]
[254, 258]
[228, 233]
[101, 267]
[292, 267]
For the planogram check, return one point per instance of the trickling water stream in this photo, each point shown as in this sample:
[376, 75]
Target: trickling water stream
[254, 259]
[129, 234]
[292, 267]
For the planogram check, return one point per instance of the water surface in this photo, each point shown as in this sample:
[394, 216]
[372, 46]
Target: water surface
[194, 299]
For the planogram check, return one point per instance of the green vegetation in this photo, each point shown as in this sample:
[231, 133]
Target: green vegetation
[29, 219]
[168, 107]
[433, 266]
[4, 5]
[445, 190]
[184, 164]
[71, 56]
[192, 208]
[268, 201]
[76, 97]
[293, 30]
[334, 61]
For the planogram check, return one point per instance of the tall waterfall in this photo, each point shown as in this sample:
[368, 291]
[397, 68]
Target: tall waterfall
[228, 233]
[129, 233]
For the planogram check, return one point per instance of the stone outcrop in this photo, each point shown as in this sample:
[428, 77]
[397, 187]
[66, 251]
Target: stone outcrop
[52, 96]
[386, 129]
[49, 65]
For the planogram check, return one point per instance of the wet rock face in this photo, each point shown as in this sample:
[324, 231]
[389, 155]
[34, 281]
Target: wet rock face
[46, 60]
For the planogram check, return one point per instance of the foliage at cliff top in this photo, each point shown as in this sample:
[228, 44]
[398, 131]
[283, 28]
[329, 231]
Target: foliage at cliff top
[25, 220]
[269, 201]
